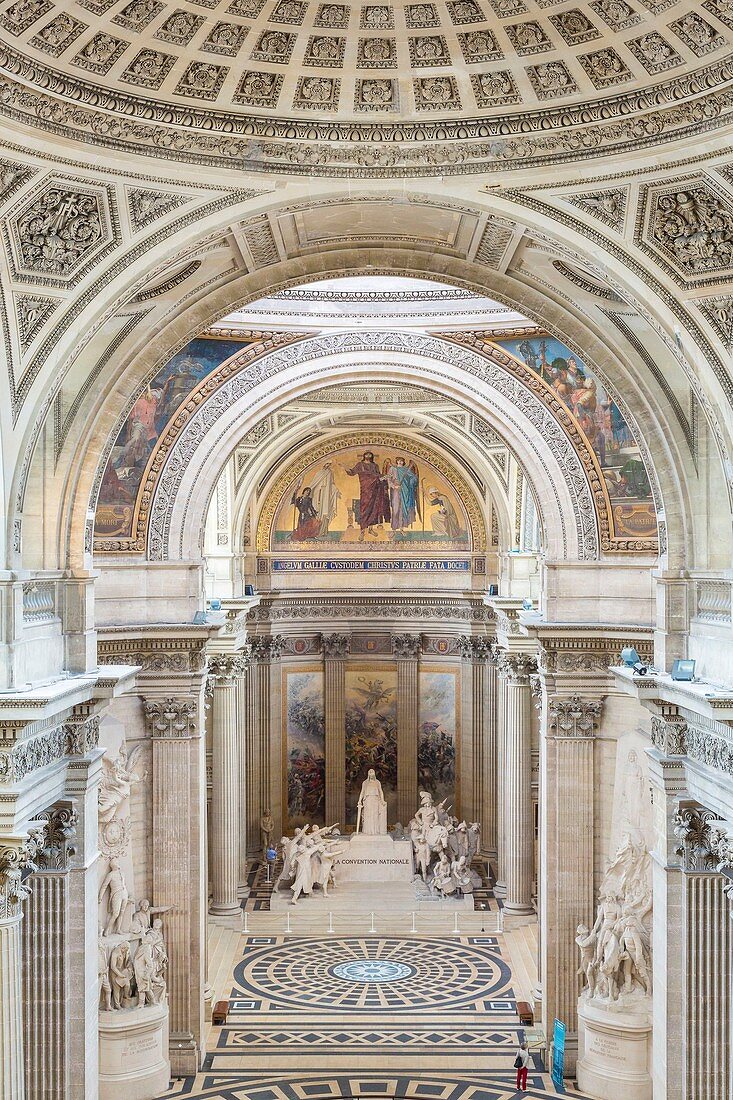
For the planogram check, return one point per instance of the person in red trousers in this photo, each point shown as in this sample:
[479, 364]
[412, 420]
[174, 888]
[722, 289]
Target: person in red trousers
[521, 1062]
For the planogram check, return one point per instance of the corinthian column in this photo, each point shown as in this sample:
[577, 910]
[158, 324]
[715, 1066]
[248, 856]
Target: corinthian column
[47, 962]
[178, 876]
[571, 723]
[243, 705]
[263, 737]
[502, 676]
[709, 944]
[335, 652]
[518, 824]
[406, 650]
[225, 810]
[17, 854]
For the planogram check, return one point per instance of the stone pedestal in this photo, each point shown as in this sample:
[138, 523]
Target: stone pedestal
[133, 1053]
[374, 859]
[615, 1049]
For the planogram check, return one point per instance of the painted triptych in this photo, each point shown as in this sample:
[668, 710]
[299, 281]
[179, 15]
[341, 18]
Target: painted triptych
[305, 747]
[437, 736]
[371, 734]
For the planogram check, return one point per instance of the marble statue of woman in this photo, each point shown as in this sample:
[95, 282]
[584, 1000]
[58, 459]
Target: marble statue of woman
[372, 807]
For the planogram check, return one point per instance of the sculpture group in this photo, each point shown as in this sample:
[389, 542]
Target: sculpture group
[132, 956]
[308, 859]
[615, 957]
[444, 848]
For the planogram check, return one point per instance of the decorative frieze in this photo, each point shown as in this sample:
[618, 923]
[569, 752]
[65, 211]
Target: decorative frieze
[573, 717]
[20, 757]
[669, 734]
[163, 654]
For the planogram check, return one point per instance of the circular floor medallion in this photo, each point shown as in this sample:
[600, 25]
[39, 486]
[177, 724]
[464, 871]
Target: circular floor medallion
[372, 970]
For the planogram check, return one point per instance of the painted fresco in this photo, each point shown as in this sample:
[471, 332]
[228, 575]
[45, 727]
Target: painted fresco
[145, 423]
[305, 743]
[371, 734]
[436, 749]
[605, 427]
[370, 494]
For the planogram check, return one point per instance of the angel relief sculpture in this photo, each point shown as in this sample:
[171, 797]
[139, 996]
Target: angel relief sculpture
[118, 776]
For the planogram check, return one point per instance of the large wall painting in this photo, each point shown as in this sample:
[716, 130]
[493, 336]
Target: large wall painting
[305, 747]
[371, 734]
[438, 733]
[619, 457]
[370, 492]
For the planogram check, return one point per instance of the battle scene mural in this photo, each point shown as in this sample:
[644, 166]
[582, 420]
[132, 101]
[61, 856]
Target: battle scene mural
[604, 426]
[371, 491]
[371, 734]
[437, 734]
[305, 746]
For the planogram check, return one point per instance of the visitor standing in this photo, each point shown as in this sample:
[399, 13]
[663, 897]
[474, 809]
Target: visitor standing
[520, 1064]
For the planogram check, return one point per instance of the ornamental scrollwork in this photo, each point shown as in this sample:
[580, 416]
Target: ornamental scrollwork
[335, 646]
[17, 863]
[697, 830]
[669, 734]
[171, 718]
[406, 647]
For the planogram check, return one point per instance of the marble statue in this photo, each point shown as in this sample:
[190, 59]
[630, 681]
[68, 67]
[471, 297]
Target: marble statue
[371, 807]
[144, 970]
[615, 954]
[105, 989]
[114, 882]
[142, 918]
[121, 974]
[116, 782]
[444, 848]
[267, 827]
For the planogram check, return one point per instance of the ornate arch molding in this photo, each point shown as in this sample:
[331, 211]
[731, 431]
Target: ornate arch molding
[501, 387]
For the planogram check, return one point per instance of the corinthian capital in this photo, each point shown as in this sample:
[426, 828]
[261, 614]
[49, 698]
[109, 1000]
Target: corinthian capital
[517, 667]
[573, 716]
[406, 646]
[171, 717]
[266, 648]
[699, 833]
[17, 862]
[60, 822]
[335, 646]
[225, 667]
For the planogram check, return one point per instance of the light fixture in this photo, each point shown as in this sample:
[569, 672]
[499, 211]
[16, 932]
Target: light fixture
[629, 656]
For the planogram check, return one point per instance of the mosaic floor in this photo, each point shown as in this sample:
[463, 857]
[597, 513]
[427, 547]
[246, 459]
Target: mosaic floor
[328, 1018]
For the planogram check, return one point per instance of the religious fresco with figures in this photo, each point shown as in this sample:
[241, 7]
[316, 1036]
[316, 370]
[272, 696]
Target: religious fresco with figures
[370, 492]
[632, 507]
[439, 722]
[371, 733]
[305, 746]
[146, 424]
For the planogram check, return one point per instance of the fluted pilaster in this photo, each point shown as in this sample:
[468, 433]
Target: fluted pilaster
[223, 673]
[519, 840]
[502, 675]
[406, 649]
[178, 866]
[17, 855]
[571, 723]
[242, 704]
[335, 653]
[47, 978]
[265, 651]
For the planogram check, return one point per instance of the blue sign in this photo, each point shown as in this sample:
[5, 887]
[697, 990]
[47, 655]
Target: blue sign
[558, 1053]
[351, 565]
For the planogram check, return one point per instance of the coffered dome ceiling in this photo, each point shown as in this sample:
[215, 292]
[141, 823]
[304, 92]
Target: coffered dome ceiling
[307, 85]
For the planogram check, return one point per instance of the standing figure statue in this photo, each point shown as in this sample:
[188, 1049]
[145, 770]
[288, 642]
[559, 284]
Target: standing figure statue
[267, 827]
[105, 989]
[372, 807]
[114, 881]
[120, 974]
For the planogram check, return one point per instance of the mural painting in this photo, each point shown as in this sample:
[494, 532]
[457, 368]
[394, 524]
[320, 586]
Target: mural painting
[145, 423]
[604, 426]
[305, 743]
[371, 734]
[369, 494]
[437, 740]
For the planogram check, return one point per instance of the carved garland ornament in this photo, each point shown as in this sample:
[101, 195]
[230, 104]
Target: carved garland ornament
[376, 439]
[510, 381]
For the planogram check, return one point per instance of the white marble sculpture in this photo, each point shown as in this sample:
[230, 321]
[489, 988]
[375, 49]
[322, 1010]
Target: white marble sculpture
[615, 957]
[113, 891]
[308, 859]
[444, 848]
[116, 782]
[372, 807]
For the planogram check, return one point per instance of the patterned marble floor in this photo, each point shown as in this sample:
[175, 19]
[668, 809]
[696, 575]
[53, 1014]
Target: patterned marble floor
[429, 1018]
